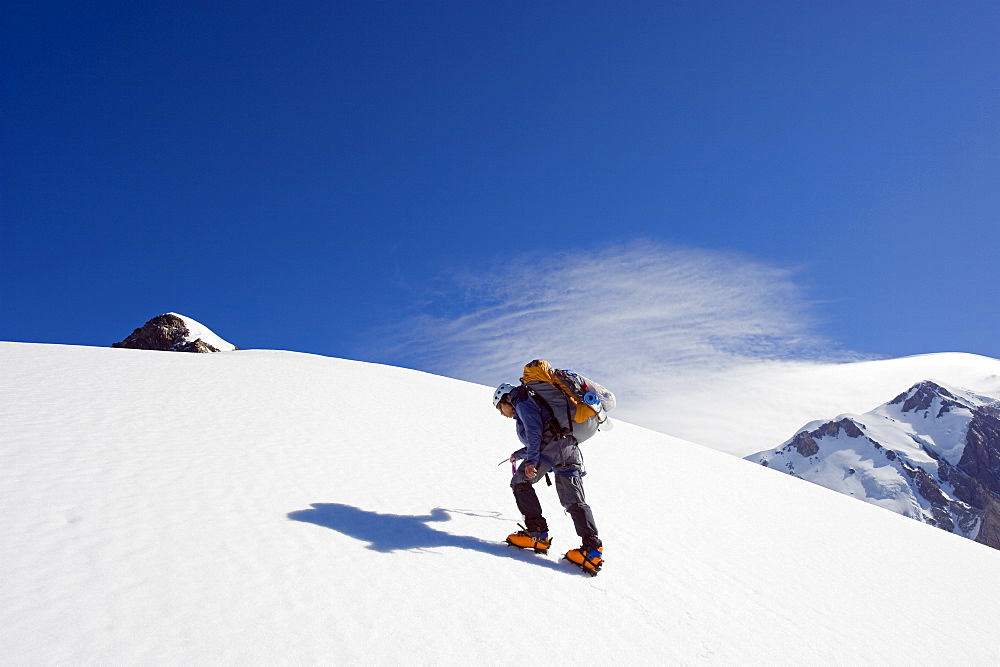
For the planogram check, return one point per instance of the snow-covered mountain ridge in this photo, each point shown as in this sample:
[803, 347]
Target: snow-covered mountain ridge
[932, 453]
[766, 401]
[261, 507]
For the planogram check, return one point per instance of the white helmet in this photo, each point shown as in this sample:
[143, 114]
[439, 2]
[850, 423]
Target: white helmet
[501, 391]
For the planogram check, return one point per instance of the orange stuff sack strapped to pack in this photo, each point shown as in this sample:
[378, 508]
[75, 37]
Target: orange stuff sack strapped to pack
[579, 405]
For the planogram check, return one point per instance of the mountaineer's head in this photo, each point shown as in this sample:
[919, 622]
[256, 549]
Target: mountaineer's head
[501, 400]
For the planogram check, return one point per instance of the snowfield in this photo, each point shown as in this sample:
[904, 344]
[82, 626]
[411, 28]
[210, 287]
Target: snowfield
[262, 507]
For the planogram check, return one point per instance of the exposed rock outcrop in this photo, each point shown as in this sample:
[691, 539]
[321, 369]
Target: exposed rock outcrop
[172, 332]
[921, 396]
[805, 442]
[989, 532]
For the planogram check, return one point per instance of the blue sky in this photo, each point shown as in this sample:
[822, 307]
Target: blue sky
[378, 180]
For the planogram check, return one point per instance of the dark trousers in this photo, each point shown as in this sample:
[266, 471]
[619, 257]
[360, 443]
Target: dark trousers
[569, 488]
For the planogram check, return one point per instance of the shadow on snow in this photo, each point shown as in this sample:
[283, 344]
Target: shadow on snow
[397, 532]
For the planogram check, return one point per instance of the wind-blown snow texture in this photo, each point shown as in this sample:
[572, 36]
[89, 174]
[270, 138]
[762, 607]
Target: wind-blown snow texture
[281, 508]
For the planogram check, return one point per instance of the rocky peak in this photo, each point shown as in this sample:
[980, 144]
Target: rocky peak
[920, 397]
[931, 453]
[174, 333]
[805, 441]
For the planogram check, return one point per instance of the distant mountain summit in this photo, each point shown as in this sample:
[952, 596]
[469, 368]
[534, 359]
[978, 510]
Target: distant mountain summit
[932, 454]
[175, 333]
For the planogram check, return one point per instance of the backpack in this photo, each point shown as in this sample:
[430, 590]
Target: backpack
[580, 406]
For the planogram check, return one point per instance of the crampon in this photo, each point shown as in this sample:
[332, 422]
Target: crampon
[522, 539]
[589, 561]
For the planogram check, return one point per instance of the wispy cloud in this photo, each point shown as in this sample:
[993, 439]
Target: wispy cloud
[643, 306]
[643, 319]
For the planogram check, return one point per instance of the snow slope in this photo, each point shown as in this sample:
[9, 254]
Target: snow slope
[258, 507]
[754, 406]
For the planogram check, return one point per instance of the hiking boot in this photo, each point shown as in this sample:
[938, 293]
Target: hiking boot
[588, 560]
[522, 539]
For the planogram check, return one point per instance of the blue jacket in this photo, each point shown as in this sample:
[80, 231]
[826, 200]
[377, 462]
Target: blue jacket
[531, 416]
